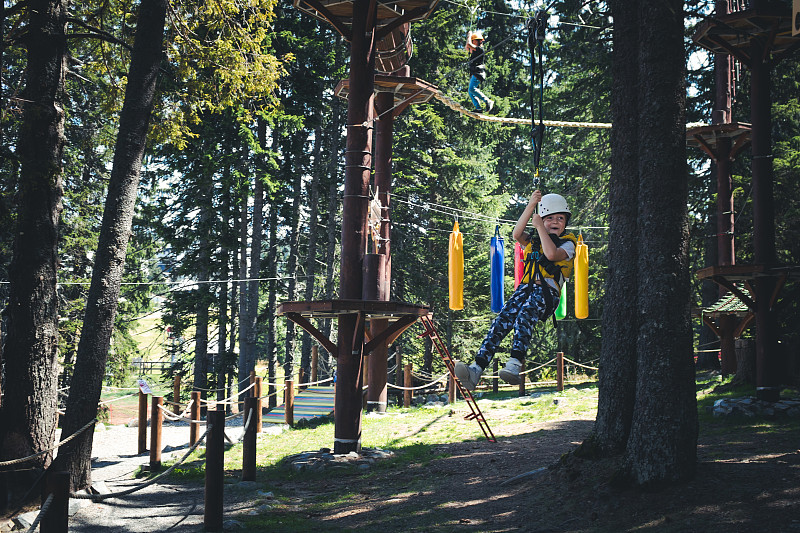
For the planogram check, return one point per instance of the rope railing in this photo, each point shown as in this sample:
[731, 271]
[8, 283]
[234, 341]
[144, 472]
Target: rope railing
[172, 417]
[312, 383]
[246, 426]
[229, 400]
[112, 400]
[42, 512]
[100, 497]
[425, 386]
[56, 446]
[570, 361]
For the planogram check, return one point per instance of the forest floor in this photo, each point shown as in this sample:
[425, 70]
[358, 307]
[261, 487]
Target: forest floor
[747, 479]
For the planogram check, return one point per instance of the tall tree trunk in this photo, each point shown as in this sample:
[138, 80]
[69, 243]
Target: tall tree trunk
[101, 305]
[272, 274]
[200, 382]
[311, 256]
[291, 267]
[28, 416]
[253, 292]
[244, 356]
[662, 445]
[224, 262]
[620, 327]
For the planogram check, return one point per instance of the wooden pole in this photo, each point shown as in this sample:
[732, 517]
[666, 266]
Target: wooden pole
[176, 394]
[560, 371]
[288, 403]
[56, 519]
[408, 382]
[355, 203]
[194, 426]
[215, 448]
[142, 423]
[249, 442]
[257, 396]
[314, 363]
[157, 419]
[522, 380]
[398, 361]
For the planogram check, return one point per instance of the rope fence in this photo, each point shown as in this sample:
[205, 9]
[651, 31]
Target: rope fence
[100, 497]
[35, 455]
[42, 513]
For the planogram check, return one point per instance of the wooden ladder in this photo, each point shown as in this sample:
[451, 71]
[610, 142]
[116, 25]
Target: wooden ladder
[476, 414]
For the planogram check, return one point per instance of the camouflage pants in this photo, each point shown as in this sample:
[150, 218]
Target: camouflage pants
[522, 311]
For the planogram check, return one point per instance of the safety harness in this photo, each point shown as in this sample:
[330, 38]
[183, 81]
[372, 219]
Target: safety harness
[538, 267]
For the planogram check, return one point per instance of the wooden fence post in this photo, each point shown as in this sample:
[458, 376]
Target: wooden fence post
[451, 388]
[257, 396]
[288, 402]
[176, 394]
[495, 381]
[194, 426]
[560, 371]
[249, 441]
[142, 423]
[215, 460]
[156, 421]
[522, 379]
[56, 519]
[408, 383]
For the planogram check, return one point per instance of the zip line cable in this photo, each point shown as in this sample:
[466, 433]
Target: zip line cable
[536, 33]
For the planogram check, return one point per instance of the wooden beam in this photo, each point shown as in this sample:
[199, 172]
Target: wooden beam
[742, 325]
[735, 290]
[704, 146]
[326, 343]
[390, 333]
[331, 18]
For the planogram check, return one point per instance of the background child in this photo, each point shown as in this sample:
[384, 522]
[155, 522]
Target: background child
[549, 254]
[477, 70]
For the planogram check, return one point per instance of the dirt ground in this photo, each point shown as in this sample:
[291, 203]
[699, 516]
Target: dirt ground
[746, 481]
[742, 485]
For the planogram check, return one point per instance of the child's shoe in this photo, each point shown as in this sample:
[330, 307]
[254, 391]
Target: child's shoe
[510, 374]
[469, 376]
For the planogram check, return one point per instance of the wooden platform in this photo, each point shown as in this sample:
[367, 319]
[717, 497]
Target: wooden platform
[727, 276]
[400, 315]
[389, 15]
[706, 137]
[405, 89]
[732, 33]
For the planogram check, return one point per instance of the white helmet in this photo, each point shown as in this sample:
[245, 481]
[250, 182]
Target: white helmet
[551, 204]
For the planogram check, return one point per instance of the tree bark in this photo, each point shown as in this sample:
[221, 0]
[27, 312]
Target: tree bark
[28, 416]
[101, 305]
[291, 268]
[663, 441]
[619, 328]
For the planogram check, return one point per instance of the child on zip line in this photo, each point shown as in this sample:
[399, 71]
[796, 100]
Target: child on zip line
[477, 70]
[549, 254]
